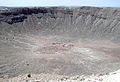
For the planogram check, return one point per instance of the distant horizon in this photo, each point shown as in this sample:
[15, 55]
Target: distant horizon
[63, 3]
[54, 6]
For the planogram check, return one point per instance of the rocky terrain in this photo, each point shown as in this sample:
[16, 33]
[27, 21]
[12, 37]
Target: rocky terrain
[108, 77]
[59, 41]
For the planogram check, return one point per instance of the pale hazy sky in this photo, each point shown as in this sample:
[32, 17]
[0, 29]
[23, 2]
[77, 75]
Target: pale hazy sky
[100, 3]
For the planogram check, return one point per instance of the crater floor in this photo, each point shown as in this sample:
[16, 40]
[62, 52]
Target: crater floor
[57, 55]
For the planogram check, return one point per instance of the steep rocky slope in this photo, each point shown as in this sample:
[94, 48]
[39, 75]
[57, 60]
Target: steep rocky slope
[59, 40]
[85, 22]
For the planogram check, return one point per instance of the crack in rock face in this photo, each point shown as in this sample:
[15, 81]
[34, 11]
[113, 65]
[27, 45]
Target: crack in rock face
[59, 40]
